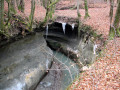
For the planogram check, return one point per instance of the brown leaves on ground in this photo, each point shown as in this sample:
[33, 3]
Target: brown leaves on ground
[105, 72]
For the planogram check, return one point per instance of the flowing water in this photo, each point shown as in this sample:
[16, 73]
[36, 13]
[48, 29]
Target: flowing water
[73, 25]
[60, 76]
[94, 49]
[63, 26]
[46, 31]
[70, 69]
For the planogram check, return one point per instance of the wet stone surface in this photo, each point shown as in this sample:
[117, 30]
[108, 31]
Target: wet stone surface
[64, 38]
[24, 63]
[60, 75]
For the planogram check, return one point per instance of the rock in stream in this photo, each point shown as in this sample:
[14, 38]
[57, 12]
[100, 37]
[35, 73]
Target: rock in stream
[24, 63]
[80, 49]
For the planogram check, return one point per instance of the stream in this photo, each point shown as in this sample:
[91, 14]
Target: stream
[61, 75]
[45, 61]
[23, 66]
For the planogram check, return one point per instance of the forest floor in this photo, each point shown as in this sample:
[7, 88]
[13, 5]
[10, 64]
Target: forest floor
[105, 72]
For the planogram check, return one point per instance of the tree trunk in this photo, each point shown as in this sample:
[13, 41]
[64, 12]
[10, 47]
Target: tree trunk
[1, 16]
[11, 7]
[78, 13]
[79, 18]
[114, 29]
[20, 4]
[49, 10]
[86, 9]
[32, 13]
[111, 10]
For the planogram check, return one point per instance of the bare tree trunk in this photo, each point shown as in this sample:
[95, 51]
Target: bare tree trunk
[114, 29]
[78, 13]
[86, 9]
[11, 7]
[32, 14]
[17, 2]
[79, 18]
[111, 10]
[1, 16]
[21, 6]
[49, 5]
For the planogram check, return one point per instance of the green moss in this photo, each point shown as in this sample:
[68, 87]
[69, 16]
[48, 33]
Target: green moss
[86, 9]
[50, 9]
[31, 15]
[92, 32]
[1, 16]
[111, 33]
[114, 30]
